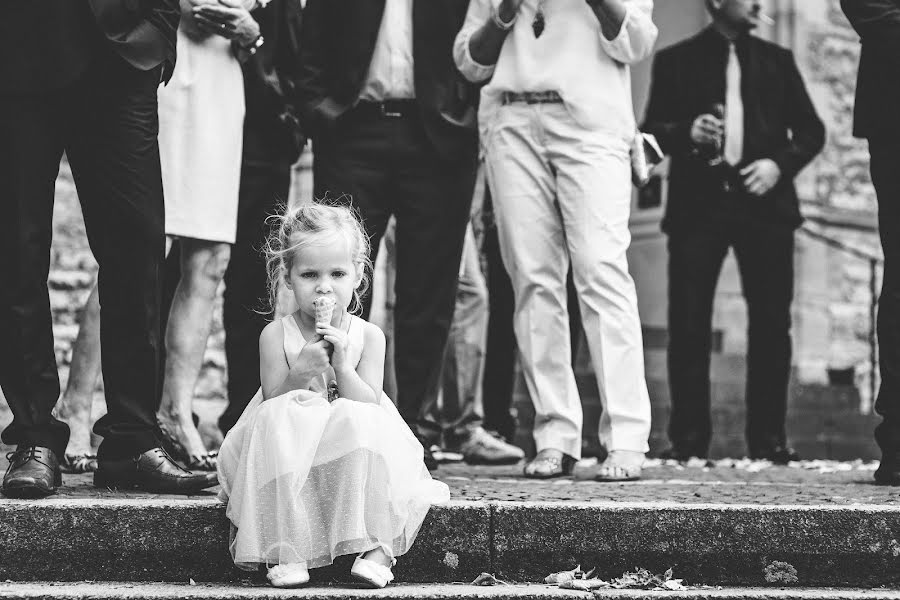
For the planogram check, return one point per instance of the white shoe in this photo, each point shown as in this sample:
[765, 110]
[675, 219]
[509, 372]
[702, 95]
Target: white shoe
[371, 573]
[288, 575]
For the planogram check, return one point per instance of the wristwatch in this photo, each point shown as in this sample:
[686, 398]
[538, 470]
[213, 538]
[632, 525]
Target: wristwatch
[254, 45]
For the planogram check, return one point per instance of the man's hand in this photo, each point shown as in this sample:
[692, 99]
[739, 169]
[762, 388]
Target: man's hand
[228, 19]
[707, 130]
[760, 176]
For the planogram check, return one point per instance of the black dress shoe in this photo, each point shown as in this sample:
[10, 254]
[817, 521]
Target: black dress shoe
[33, 473]
[779, 455]
[888, 473]
[152, 471]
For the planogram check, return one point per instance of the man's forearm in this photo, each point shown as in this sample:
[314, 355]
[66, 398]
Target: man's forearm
[611, 14]
[486, 43]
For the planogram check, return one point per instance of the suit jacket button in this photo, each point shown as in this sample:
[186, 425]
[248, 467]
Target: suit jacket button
[132, 5]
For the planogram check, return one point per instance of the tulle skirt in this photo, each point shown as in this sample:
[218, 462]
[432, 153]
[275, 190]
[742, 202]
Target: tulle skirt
[307, 480]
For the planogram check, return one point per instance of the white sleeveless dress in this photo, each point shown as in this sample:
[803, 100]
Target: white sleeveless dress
[307, 480]
[201, 134]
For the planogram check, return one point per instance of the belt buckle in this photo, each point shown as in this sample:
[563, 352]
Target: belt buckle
[389, 113]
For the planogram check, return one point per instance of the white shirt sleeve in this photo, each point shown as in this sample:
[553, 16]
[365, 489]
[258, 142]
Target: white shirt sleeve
[637, 35]
[478, 14]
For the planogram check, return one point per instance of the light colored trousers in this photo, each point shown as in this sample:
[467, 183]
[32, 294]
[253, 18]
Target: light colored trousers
[563, 193]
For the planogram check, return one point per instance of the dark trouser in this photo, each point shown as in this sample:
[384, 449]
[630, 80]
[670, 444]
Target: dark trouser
[886, 177]
[245, 308]
[245, 314]
[106, 122]
[765, 258]
[386, 166]
[500, 357]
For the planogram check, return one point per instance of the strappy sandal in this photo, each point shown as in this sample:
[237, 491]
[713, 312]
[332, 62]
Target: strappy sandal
[74, 464]
[616, 467]
[204, 462]
[546, 465]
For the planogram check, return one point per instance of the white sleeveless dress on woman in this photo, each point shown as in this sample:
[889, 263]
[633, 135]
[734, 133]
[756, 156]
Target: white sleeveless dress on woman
[307, 480]
[201, 134]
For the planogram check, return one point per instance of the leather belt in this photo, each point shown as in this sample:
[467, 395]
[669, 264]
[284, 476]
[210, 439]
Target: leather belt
[548, 97]
[391, 109]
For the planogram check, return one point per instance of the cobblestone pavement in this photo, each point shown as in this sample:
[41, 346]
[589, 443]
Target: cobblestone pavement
[728, 482]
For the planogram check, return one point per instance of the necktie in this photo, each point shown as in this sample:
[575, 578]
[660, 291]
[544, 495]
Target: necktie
[734, 110]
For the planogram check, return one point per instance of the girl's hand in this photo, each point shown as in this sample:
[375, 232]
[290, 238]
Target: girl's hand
[339, 342]
[313, 359]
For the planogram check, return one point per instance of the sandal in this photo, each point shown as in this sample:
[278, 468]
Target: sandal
[204, 462]
[621, 465]
[549, 463]
[75, 464]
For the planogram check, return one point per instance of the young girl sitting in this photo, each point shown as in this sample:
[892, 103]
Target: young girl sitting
[321, 464]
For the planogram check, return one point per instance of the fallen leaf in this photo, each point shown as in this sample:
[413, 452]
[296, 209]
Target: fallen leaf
[584, 584]
[562, 576]
[673, 585]
[487, 579]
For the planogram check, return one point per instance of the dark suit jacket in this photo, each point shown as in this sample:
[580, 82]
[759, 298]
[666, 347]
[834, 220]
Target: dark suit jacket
[272, 134]
[142, 31]
[877, 110]
[337, 44]
[780, 123]
[51, 42]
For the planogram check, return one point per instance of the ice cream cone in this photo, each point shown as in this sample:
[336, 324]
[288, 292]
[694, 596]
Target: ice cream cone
[324, 306]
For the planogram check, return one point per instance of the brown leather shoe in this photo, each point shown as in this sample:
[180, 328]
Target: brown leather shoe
[152, 471]
[33, 472]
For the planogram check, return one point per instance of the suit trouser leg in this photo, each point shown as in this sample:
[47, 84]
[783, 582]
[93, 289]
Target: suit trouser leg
[593, 175]
[500, 349]
[766, 263]
[245, 310]
[533, 247]
[33, 129]
[383, 167]
[886, 177]
[695, 260]
[461, 407]
[434, 199]
[115, 160]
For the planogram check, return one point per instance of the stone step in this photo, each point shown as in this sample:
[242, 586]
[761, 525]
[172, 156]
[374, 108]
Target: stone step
[183, 591]
[177, 539]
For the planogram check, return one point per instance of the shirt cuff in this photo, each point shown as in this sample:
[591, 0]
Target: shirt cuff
[631, 43]
[468, 66]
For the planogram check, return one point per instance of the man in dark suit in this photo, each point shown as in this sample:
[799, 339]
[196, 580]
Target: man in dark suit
[877, 118]
[393, 127]
[735, 116]
[83, 80]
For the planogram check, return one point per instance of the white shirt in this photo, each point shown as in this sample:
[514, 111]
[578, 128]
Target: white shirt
[571, 57]
[391, 75]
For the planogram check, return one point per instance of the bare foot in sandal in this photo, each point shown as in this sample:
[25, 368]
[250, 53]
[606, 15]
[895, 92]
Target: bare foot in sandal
[549, 463]
[621, 465]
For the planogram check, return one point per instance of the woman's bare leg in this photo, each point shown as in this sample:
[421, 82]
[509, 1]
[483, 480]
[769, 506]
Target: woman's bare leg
[203, 266]
[75, 406]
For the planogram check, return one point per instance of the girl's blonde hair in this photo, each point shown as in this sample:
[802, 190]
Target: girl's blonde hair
[296, 228]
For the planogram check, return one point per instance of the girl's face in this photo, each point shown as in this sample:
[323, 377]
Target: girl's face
[324, 269]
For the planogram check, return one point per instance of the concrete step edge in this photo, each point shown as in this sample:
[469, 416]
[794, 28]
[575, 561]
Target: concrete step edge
[445, 591]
